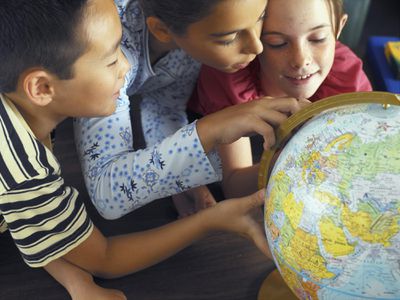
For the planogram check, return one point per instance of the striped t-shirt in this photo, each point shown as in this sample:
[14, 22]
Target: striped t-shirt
[45, 217]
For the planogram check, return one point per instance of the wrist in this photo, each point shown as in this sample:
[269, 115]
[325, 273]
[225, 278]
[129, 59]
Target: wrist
[206, 220]
[211, 218]
[206, 136]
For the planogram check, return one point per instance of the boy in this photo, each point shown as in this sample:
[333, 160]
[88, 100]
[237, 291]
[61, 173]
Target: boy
[59, 59]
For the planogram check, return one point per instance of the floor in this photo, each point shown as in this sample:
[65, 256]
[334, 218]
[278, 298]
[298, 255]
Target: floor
[219, 267]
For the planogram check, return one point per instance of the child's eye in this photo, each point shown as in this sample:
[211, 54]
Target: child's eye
[321, 40]
[113, 63]
[226, 43]
[273, 41]
[275, 45]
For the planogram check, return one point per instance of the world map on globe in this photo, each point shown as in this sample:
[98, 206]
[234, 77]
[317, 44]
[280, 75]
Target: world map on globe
[332, 211]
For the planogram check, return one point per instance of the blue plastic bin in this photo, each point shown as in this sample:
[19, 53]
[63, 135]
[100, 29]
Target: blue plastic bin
[383, 77]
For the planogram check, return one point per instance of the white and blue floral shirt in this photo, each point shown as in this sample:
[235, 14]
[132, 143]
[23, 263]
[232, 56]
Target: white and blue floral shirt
[119, 178]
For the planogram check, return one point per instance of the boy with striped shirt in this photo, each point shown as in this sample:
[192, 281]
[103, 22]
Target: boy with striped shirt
[60, 59]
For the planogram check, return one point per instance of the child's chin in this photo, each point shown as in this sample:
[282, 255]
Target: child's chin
[105, 112]
[305, 93]
[300, 95]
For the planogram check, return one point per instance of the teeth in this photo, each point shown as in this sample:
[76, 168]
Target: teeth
[303, 77]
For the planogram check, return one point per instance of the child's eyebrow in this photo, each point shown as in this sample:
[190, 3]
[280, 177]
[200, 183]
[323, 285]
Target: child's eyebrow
[220, 34]
[113, 48]
[320, 26]
[265, 32]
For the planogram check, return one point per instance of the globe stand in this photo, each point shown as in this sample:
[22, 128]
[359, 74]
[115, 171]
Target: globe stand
[275, 288]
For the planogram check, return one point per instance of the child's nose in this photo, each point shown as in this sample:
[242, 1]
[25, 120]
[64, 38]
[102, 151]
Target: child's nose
[300, 57]
[253, 44]
[125, 66]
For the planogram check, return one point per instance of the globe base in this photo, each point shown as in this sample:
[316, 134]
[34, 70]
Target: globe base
[275, 288]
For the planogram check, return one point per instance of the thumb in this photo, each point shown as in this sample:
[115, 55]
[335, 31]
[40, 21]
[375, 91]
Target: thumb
[304, 102]
[260, 240]
[257, 234]
[258, 198]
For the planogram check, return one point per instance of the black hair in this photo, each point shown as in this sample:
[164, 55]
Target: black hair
[39, 33]
[177, 15]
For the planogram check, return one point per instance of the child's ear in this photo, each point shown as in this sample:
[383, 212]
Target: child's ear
[158, 29]
[342, 22]
[37, 85]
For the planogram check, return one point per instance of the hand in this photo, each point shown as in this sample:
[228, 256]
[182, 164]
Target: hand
[258, 116]
[202, 197]
[79, 283]
[235, 215]
[193, 200]
[90, 290]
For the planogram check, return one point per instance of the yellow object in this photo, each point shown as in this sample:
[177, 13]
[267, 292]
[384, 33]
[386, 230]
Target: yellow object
[275, 288]
[392, 53]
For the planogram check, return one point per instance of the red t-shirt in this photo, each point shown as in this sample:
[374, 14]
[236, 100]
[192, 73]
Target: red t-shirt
[217, 90]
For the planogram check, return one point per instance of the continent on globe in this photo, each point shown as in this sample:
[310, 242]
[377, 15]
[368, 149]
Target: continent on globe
[332, 211]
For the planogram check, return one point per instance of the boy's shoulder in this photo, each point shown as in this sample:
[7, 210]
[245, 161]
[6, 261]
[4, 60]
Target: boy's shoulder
[22, 157]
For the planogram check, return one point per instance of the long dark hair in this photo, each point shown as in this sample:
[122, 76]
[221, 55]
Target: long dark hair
[177, 15]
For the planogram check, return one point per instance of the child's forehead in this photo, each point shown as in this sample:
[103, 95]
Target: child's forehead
[229, 16]
[313, 6]
[299, 11]
[101, 26]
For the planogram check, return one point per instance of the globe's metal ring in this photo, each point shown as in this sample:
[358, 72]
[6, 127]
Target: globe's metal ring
[285, 129]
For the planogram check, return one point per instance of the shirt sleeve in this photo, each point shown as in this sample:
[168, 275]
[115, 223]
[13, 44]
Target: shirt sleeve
[45, 218]
[165, 96]
[120, 179]
[217, 90]
[347, 75]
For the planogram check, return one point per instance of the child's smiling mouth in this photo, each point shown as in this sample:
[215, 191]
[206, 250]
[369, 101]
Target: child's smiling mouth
[300, 79]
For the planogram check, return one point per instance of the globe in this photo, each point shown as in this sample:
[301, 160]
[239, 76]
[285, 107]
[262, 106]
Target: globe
[332, 208]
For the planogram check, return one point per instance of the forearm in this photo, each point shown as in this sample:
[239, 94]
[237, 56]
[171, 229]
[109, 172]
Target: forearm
[239, 174]
[158, 123]
[136, 178]
[241, 182]
[121, 255]
[68, 275]
[160, 119]
[129, 253]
